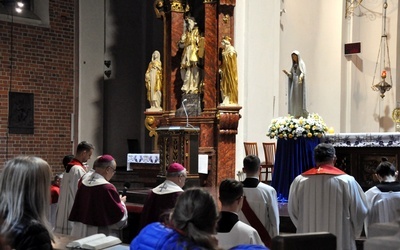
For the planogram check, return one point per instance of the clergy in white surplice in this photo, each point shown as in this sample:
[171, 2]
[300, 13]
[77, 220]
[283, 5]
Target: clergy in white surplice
[326, 199]
[231, 231]
[260, 207]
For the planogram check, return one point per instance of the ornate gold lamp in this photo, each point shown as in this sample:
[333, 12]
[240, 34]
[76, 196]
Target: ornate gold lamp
[396, 118]
[383, 60]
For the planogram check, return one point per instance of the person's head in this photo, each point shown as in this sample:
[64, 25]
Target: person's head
[231, 194]
[57, 180]
[195, 216]
[106, 166]
[176, 173]
[84, 151]
[251, 165]
[67, 160]
[385, 169]
[25, 192]
[324, 153]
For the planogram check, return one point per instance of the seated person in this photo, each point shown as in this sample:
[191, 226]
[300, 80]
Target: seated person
[231, 231]
[98, 207]
[191, 225]
[24, 203]
[163, 197]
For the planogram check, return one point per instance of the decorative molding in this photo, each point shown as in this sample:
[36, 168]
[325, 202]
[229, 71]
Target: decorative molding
[227, 2]
[209, 1]
[149, 123]
[228, 119]
[226, 18]
[159, 7]
[152, 122]
[350, 6]
[177, 6]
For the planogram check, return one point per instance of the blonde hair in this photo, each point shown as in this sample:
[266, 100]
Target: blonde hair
[25, 191]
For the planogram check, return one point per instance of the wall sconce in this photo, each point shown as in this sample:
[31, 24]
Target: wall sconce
[107, 71]
[383, 60]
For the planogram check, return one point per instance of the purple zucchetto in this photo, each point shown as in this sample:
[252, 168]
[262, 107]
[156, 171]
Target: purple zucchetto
[105, 158]
[175, 167]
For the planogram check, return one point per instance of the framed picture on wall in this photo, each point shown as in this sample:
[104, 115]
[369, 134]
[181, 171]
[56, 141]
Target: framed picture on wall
[20, 115]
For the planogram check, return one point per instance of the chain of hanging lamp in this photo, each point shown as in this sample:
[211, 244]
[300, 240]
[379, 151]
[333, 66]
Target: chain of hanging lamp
[383, 86]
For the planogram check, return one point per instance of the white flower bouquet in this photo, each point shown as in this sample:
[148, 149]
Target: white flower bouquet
[289, 127]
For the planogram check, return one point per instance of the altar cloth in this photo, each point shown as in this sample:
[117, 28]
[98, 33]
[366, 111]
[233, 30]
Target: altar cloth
[293, 157]
[363, 139]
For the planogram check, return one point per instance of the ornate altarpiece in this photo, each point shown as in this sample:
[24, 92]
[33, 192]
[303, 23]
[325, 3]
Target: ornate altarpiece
[218, 124]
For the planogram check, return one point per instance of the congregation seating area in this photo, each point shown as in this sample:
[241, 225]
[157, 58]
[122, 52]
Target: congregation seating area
[136, 198]
[144, 177]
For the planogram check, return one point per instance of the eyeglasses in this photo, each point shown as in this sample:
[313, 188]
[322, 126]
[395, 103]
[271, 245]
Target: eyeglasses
[114, 169]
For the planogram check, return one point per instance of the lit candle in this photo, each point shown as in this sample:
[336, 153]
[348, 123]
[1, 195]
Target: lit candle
[383, 74]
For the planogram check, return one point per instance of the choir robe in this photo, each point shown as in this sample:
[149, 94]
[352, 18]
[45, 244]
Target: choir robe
[262, 199]
[68, 188]
[325, 199]
[160, 201]
[381, 187]
[383, 203]
[97, 208]
[233, 232]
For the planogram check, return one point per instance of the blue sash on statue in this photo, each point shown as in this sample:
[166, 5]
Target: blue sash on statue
[292, 158]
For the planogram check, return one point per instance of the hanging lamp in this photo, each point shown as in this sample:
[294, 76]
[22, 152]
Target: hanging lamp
[383, 61]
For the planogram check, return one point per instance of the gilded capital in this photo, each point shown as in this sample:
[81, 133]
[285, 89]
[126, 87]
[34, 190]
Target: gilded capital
[177, 6]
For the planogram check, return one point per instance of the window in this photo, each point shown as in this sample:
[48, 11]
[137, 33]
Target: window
[34, 12]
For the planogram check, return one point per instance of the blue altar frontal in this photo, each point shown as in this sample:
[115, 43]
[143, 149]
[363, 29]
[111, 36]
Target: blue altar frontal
[293, 157]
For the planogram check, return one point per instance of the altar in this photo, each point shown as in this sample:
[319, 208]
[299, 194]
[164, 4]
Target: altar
[358, 154]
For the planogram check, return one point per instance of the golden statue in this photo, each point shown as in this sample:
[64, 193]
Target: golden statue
[229, 74]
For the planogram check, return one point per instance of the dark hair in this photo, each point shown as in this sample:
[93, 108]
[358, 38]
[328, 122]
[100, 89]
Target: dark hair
[195, 215]
[67, 160]
[385, 168]
[251, 164]
[229, 191]
[84, 146]
[324, 152]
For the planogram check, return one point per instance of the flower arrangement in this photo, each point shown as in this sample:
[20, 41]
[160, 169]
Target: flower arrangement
[291, 128]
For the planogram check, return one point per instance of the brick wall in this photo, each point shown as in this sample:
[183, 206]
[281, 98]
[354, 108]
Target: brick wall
[43, 64]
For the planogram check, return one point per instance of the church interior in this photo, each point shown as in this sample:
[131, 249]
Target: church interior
[73, 71]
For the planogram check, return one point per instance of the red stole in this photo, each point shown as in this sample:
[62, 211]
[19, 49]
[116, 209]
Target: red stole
[74, 162]
[324, 169]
